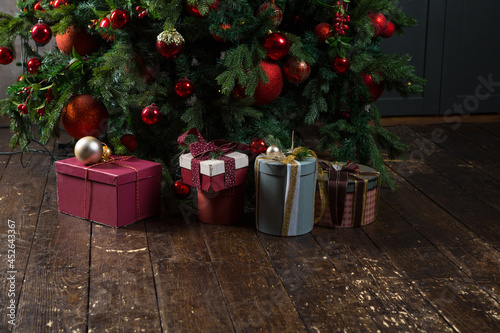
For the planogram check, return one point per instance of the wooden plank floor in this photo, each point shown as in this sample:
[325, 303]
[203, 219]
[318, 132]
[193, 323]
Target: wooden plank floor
[430, 263]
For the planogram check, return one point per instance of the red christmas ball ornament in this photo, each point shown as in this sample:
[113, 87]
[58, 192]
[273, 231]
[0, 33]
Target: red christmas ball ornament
[84, 116]
[6, 55]
[34, 65]
[170, 43]
[276, 45]
[119, 18]
[22, 108]
[323, 31]
[38, 6]
[375, 89]
[341, 65]
[184, 88]
[41, 33]
[181, 190]
[130, 142]
[151, 114]
[379, 23]
[268, 92]
[218, 37]
[59, 3]
[193, 10]
[80, 40]
[277, 15]
[258, 146]
[105, 23]
[389, 30]
[296, 71]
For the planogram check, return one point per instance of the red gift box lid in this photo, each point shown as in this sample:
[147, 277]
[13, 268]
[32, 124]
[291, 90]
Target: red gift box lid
[111, 173]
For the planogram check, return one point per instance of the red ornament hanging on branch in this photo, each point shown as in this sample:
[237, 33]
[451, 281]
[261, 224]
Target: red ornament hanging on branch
[6, 55]
[296, 71]
[268, 92]
[181, 190]
[105, 23]
[376, 89]
[84, 116]
[341, 65]
[151, 114]
[80, 40]
[33, 65]
[119, 18]
[59, 3]
[379, 23]
[276, 45]
[195, 11]
[184, 88]
[277, 15]
[322, 31]
[389, 30]
[218, 37]
[130, 142]
[38, 6]
[170, 43]
[41, 33]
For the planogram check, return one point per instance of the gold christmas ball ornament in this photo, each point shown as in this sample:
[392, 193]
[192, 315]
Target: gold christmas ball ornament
[106, 152]
[273, 151]
[88, 150]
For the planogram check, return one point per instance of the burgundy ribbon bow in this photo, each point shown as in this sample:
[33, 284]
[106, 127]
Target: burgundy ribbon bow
[337, 192]
[201, 152]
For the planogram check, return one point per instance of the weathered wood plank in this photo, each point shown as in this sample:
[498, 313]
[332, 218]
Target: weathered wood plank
[122, 295]
[492, 127]
[254, 293]
[387, 295]
[323, 298]
[447, 164]
[189, 296]
[463, 148]
[21, 194]
[480, 137]
[55, 290]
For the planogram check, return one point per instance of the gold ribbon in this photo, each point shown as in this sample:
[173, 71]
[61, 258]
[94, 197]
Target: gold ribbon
[292, 159]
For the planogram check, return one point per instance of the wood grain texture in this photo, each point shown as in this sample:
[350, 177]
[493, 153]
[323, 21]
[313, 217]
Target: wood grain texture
[189, 297]
[21, 194]
[55, 290]
[255, 296]
[122, 295]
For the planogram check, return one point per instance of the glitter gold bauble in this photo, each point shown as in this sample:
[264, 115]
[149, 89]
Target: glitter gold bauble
[84, 116]
[88, 150]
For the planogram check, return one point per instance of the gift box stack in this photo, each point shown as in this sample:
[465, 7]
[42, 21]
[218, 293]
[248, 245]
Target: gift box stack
[220, 182]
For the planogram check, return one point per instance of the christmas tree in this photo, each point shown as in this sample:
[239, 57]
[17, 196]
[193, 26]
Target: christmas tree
[138, 73]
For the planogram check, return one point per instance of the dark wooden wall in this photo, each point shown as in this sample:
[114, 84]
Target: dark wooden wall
[455, 44]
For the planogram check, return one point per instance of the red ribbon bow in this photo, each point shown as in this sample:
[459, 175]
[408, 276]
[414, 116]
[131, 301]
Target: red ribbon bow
[201, 152]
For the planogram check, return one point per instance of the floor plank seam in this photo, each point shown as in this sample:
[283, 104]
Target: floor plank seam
[217, 277]
[155, 282]
[91, 235]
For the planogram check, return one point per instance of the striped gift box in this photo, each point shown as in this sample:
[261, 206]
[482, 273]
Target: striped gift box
[370, 207]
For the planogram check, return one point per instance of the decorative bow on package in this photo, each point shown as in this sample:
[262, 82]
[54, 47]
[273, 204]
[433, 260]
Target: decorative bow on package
[213, 166]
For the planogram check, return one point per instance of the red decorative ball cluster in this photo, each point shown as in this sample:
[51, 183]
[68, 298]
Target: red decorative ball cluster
[341, 19]
[382, 27]
[142, 12]
[6, 55]
[258, 146]
[151, 114]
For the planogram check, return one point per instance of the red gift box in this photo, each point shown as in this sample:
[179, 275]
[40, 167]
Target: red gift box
[213, 173]
[223, 207]
[116, 193]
